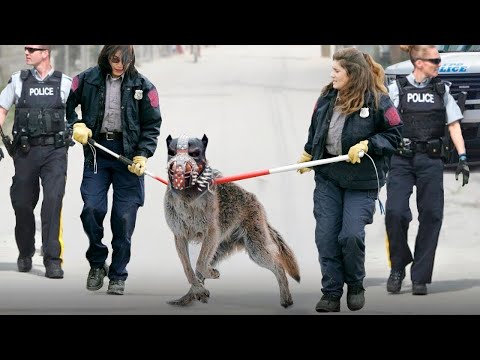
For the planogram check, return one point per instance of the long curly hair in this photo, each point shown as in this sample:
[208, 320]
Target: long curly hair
[365, 76]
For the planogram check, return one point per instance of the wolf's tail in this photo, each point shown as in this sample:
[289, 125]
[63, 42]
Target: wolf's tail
[287, 258]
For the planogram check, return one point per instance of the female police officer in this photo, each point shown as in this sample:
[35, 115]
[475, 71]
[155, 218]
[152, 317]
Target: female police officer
[425, 105]
[353, 114]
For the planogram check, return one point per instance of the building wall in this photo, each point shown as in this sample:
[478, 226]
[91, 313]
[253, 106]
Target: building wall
[70, 59]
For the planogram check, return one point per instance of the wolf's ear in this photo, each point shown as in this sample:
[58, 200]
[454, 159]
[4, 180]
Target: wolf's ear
[205, 140]
[169, 140]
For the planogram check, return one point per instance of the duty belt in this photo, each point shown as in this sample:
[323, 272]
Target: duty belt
[42, 140]
[420, 146]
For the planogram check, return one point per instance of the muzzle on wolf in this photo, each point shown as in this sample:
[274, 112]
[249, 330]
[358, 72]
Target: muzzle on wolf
[223, 218]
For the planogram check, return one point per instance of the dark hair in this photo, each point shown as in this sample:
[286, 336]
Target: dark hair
[128, 58]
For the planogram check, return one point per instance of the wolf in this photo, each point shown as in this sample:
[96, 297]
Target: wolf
[224, 218]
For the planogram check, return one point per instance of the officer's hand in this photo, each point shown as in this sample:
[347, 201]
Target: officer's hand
[353, 153]
[138, 167]
[463, 168]
[304, 158]
[81, 133]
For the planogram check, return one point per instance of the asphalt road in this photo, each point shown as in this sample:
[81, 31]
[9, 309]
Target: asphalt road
[254, 103]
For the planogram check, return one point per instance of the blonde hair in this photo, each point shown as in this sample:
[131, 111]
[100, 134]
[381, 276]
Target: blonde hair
[365, 76]
[416, 51]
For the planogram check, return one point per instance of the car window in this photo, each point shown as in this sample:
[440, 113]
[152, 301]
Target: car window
[457, 48]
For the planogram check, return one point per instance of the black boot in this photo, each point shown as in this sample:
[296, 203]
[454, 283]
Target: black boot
[355, 297]
[24, 263]
[394, 283]
[95, 277]
[419, 289]
[328, 303]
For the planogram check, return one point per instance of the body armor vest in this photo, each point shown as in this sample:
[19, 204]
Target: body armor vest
[422, 110]
[40, 111]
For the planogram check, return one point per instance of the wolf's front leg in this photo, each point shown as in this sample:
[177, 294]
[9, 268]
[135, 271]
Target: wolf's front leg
[181, 243]
[209, 247]
[197, 291]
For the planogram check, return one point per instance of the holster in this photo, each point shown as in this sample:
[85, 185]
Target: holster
[404, 149]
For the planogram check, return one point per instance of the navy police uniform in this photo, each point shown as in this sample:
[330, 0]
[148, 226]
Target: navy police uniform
[345, 194]
[40, 140]
[425, 109]
[140, 128]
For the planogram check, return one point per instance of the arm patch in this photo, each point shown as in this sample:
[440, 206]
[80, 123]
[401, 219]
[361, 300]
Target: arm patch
[153, 97]
[75, 83]
[392, 116]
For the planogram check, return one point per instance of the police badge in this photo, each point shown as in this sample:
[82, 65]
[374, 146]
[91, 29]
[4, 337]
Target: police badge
[138, 95]
[364, 112]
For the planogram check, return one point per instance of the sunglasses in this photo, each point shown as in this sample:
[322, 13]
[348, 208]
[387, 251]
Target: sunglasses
[435, 61]
[32, 50]
[115, 59]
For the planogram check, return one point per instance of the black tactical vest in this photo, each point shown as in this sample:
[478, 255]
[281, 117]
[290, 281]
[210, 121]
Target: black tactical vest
[40, 111]
[422, 110]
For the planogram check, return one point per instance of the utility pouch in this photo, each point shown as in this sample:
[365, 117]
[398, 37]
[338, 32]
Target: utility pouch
[59, 139]
[434, 148]
[447, 149]
[24, 144]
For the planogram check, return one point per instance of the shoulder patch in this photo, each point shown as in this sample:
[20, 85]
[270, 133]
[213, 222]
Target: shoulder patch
[153, 97]
[75, 82]
[392, 116]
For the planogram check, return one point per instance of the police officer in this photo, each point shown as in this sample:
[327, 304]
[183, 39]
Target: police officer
[120, 110]
[40, 153]
[426, 105]
[353, 114]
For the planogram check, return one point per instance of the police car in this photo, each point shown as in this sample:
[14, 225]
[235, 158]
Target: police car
[460, 66]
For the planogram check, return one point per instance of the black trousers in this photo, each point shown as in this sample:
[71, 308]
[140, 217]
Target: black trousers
[48, 164]
[427, 175]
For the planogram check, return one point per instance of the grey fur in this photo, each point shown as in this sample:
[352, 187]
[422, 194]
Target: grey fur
[224, 219]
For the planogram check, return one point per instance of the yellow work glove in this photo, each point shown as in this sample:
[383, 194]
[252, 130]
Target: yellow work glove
[138, 167]
[81, 133]
[355, 150]
[304, 158]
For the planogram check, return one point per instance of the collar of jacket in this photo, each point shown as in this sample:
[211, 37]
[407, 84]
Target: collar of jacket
[96, 77]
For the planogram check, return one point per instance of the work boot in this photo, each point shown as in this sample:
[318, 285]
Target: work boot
[95, 277]
[54, 271]
[419, 289]
[116, 287]
[328, 303]
[24, 263]
[394, 282]
[355, 297]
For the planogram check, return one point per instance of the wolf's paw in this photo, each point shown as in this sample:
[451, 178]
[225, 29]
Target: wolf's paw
[286, 302]
[209, 273]
[215, 274]
[183, 301]
[200, 293]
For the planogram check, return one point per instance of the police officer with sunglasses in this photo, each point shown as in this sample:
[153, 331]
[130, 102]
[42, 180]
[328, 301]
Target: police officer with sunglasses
[40, 142]
[426, 106]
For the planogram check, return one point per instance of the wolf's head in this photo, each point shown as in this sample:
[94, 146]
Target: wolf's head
[187, 164]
